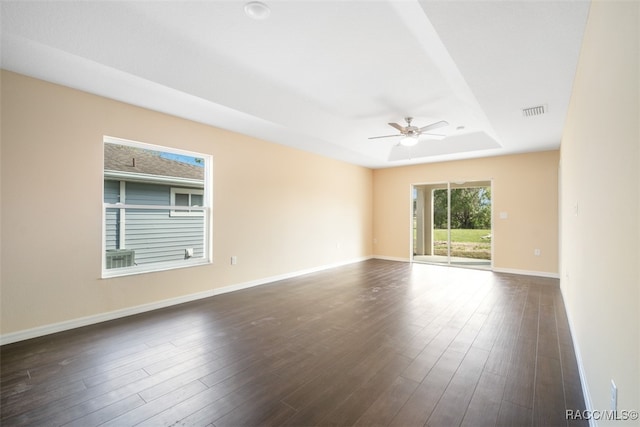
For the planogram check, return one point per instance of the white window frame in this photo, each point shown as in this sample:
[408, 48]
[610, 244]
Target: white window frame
[205, 211]
[190, 192]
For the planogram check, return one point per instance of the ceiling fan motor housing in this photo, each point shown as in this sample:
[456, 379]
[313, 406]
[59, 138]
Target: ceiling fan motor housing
[412, 131]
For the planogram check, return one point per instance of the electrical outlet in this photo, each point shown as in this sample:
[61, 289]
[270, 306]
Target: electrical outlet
[234, 260]
[614, 396]
[536, 252]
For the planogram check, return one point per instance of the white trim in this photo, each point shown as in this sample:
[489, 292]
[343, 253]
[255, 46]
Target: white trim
[495, 270]
[588, 405]
[97, 318]
[527, 272]
[493, 227]
[271, 279]
[110, 273]
[112, 315]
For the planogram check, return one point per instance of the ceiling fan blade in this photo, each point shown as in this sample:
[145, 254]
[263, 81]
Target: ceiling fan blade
[397, 126]
[386, 136]
[436, 125]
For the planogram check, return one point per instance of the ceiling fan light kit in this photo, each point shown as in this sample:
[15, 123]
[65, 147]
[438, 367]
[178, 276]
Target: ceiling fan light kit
[409, 141]
[410, 134]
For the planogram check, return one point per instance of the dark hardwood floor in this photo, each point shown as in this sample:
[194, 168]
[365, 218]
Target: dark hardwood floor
[377, 343]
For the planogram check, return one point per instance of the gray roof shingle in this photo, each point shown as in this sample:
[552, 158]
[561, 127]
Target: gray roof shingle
[124, 158]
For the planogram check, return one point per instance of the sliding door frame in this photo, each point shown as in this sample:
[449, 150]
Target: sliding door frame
[448, 186]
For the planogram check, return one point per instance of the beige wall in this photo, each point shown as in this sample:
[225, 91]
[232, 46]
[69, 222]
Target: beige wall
[524, 186]
[277, 209]
[600, 212]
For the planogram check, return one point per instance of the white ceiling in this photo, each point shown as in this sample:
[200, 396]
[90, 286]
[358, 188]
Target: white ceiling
[322, 76]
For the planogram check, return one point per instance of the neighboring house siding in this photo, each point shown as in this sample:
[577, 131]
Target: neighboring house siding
[148, 194]
[155, 235]
[112, 195]
[111, 191]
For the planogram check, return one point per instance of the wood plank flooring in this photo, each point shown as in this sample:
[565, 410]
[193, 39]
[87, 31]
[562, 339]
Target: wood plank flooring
[377, 343]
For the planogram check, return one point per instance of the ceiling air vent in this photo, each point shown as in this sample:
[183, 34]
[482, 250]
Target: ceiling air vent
[534, 111]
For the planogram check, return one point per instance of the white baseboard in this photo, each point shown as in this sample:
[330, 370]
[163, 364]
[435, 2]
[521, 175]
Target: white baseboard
[271, 279]
[497, 270]
[583, 376]
[97, 318]
[112, 315]
[527, 272]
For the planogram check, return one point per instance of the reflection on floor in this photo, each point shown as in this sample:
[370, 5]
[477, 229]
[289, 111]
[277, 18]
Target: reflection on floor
[457, 261]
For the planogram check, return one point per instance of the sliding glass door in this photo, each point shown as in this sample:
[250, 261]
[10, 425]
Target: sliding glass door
[452, 223]
[430, 223]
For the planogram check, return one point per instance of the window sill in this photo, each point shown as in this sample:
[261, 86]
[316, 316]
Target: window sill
[152, 268]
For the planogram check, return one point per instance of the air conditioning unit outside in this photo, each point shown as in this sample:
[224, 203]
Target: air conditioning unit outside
[118, 258]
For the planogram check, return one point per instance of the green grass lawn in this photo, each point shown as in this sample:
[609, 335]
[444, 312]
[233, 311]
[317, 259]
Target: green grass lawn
[464, 243]
[469, 236]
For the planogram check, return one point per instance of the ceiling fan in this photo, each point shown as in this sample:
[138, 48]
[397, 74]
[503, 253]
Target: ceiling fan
[410, 133]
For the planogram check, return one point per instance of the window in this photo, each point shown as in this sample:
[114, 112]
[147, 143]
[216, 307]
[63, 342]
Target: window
[188, 197]
[157, 208]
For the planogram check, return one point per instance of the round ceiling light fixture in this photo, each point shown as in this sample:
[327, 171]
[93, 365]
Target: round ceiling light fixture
[409, 141]
[257, 10]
